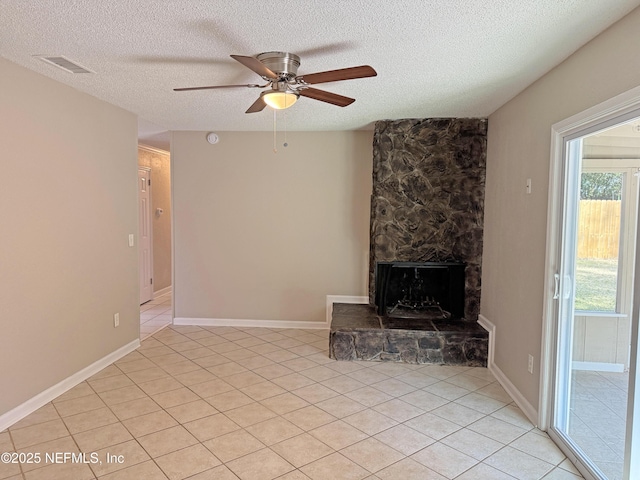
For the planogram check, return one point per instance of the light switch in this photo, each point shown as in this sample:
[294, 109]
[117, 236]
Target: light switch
[131, 242]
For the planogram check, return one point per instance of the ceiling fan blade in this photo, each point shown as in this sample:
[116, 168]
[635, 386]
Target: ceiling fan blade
[327, 97]
[257, 106]
[250, 85]
[337, 75]
[255, 65]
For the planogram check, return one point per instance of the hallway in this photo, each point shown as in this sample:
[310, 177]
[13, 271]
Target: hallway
[155, 315]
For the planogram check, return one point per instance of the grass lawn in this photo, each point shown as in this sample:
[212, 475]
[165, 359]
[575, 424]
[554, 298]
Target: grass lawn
[596, 284]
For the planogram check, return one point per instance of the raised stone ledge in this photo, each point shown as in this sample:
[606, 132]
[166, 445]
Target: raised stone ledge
[358, 333]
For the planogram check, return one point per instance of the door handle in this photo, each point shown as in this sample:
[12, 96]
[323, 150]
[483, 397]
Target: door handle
[556, 288]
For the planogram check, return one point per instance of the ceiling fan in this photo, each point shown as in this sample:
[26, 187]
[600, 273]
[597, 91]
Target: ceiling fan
[279, 70]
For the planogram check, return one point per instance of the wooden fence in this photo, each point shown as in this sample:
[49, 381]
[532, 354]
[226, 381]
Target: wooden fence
[599, 229]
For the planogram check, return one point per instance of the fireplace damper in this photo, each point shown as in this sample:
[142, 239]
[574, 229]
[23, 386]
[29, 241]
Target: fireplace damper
[420, 290]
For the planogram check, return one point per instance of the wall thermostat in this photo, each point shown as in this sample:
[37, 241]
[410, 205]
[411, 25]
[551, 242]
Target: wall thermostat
[212, 138]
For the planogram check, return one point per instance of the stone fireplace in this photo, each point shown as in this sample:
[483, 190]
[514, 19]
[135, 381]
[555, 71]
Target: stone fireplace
[427, 208]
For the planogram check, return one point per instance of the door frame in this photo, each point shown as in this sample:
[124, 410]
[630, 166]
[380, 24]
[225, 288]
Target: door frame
[149, 227]
[613, 110]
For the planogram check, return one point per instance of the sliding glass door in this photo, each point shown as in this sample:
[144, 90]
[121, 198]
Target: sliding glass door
[596, 327]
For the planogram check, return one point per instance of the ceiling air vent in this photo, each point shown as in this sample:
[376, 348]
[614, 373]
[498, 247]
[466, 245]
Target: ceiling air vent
[64, 63]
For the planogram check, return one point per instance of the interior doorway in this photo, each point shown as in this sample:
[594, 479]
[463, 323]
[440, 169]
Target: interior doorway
[155, 240]
[592, 326]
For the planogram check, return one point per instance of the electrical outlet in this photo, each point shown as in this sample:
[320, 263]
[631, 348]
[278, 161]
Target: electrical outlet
[528, 185]
[116, 320]
[530, 367]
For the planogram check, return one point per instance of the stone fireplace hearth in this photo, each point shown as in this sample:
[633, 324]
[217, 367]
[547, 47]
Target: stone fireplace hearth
[427, 209]
[359, 333]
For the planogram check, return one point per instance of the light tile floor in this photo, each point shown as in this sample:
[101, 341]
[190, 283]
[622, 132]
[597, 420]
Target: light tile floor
[257, 404]
[155, 315]
[598, 418]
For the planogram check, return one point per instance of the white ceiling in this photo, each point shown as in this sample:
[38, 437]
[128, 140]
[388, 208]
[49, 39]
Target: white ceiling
[434, 58]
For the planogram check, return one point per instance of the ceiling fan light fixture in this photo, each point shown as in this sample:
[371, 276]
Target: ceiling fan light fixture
[279, 100]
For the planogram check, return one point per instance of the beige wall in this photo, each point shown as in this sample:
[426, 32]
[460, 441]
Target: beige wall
[515, 223]
[267, 236]
[160, 165]
[67, 205]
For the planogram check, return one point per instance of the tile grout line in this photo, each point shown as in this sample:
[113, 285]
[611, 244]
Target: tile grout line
[166, 368]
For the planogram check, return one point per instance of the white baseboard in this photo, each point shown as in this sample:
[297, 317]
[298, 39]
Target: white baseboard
[331, 299]
[530, 412]
[41, 399]
[598, 366]
[162, 291]
[233, 322]
[491, 328]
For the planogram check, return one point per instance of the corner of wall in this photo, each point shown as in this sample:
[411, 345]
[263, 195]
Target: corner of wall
[21, 411]
[529, 410]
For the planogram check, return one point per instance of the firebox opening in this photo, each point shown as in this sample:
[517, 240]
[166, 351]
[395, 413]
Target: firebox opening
[420, 290]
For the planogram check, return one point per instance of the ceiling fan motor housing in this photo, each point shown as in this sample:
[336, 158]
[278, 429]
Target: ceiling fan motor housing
[284, 64]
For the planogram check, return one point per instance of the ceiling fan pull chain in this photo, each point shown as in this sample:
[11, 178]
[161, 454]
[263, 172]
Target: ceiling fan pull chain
[285, 144]
[275, 149]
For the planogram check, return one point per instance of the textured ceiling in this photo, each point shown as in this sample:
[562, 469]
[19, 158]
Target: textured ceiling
[434, 58]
